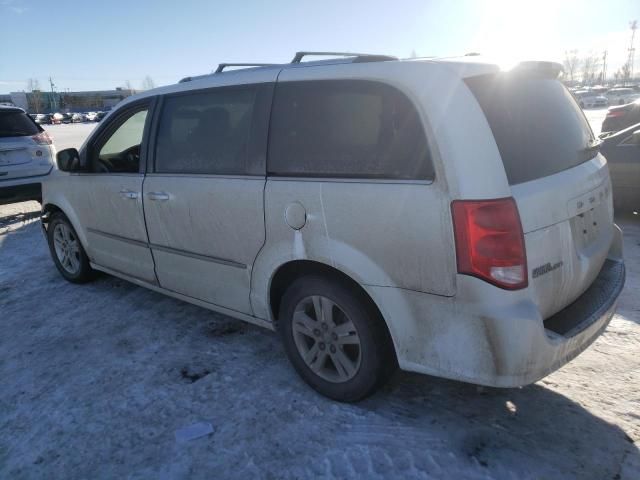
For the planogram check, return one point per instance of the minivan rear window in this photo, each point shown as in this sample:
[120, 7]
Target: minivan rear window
[17, 124]
[537, 125]
[346, 129]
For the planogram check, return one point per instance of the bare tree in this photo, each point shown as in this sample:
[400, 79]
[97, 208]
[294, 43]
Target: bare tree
[33, 84]
[148, 83]
[35, 99]
[570, 63]
[128, 87]
[625, 71]
[590, 66]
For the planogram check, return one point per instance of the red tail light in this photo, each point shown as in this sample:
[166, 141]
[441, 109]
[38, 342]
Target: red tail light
[42, 138]
[490, 241]
[616, 113]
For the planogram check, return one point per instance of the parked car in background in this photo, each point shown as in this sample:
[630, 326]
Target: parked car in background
[26, 156]
[622, 151]
[67, 118]
[590, 99]
[599, 89]
[621, 117]
[57, 118]
[43, 119]
[100, 116]
[78, 118]
[620, 96]
[91, 116]
[320, 201]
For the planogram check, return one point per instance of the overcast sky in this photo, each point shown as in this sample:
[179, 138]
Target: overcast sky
[90, 45]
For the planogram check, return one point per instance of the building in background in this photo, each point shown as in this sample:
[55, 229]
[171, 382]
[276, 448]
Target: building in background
[5, 99]
[39, 101]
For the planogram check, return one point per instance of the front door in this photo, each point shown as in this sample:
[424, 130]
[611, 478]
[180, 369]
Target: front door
[108, 198]
[204, 198]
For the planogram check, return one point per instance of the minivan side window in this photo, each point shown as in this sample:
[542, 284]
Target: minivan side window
[346, 128]
[206, 132]
[120, 152]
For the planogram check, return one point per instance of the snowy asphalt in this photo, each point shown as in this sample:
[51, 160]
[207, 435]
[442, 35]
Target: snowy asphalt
[95, 380]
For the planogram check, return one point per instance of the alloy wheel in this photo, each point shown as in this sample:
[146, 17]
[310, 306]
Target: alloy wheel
[326, 339]
[67, 248]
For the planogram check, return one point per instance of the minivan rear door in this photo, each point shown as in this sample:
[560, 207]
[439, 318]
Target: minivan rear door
[558, 178]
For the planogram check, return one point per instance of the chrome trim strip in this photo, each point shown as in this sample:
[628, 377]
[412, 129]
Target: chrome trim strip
[174, 251]
[197, 256]
[138, 243]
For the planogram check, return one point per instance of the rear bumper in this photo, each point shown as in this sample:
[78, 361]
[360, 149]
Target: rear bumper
[505, 343]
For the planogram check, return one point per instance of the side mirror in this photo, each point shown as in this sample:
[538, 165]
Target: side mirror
[68, 160]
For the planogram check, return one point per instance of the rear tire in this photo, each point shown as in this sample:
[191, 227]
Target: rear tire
[337, 342]
[67, 251]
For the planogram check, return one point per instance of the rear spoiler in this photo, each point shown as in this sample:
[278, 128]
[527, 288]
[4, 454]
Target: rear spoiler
[545, 69]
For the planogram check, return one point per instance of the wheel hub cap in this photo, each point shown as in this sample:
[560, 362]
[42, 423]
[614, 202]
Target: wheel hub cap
[67, 248]
[326, 339]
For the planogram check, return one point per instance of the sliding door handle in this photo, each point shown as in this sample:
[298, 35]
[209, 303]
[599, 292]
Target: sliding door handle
[158, 196]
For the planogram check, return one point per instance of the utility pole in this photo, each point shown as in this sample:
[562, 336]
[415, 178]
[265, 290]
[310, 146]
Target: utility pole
[604, 67]
[53, 95]
[632, 50]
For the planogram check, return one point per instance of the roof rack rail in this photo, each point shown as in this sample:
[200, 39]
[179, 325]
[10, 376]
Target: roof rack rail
[222, 66]
[359, 57]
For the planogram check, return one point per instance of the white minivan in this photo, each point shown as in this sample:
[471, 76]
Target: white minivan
[442, 216]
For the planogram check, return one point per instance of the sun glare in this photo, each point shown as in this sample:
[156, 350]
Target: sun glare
[512, 31]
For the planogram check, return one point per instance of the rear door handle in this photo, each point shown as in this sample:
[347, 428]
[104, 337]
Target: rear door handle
[129, 194]
[158, 196]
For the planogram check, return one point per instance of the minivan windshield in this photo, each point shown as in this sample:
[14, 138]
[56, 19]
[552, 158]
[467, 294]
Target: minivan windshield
[538, 127]
[17, 124]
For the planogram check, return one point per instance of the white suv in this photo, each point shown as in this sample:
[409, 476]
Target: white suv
[26, 156]
[442, 216]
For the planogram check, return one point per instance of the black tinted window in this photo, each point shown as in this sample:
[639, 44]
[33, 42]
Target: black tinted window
[17, 124]
[346, 128]
[537, 125]
[206, 132]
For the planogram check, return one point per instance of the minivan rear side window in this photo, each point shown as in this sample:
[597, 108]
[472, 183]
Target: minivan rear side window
[15, 123]
[537, 125]
[206, 132]
[346, 128]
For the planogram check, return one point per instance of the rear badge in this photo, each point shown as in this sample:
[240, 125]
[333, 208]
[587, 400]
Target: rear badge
[546, 268]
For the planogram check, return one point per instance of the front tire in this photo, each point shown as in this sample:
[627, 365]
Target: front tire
[337, 342]
[66, 250]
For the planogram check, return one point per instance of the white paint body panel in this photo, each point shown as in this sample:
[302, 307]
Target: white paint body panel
[219, 218]
[99, 213]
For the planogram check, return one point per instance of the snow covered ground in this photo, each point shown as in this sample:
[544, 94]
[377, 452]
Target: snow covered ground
[96, 379]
